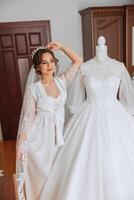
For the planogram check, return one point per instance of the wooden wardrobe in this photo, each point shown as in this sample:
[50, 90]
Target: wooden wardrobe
[116, 25]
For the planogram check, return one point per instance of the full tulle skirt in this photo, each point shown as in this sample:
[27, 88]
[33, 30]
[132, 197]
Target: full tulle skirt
[97, 160]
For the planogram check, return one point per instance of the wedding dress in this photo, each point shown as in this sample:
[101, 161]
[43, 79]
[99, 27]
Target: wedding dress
[97, 159]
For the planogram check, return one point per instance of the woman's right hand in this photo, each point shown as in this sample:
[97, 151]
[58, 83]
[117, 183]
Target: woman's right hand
[55, 45]
[21, 147]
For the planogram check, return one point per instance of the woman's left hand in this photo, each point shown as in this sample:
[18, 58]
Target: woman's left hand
[54, 45]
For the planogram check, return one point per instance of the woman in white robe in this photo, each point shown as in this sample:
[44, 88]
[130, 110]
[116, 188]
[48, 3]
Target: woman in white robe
[42, 120]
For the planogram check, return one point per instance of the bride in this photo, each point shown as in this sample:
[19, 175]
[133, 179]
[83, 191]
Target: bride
[42, 119]
[97, 160]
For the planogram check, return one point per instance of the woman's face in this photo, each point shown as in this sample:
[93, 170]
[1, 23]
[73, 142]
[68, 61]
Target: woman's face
[47, 66]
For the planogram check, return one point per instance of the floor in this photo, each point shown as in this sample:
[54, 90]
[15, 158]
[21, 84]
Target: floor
[7, 164]
[7, 157]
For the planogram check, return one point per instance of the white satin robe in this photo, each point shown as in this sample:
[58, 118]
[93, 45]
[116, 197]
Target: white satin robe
[43, 122]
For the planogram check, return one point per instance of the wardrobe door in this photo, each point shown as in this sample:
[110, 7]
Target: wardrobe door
[129, 56]
[105, 21]
[109, 23]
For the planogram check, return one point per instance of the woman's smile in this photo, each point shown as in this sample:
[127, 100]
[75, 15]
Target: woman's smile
[50, 69]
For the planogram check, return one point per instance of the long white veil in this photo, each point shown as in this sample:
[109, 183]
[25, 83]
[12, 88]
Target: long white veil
[32, 78]
[22, 164]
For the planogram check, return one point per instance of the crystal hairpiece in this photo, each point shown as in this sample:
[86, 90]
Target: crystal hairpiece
[35, 50]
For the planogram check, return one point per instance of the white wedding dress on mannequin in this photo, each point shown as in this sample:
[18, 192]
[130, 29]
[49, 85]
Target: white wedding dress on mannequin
[97, 160]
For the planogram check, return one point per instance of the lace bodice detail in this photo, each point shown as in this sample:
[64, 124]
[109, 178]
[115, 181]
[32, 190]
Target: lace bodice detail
[102, 81]
[102, 92]
[102, 70]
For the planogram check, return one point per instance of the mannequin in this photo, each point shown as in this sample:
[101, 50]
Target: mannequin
[101, 49]
[97, 160]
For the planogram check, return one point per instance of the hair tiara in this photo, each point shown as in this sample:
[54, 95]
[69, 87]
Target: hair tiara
[38, 48]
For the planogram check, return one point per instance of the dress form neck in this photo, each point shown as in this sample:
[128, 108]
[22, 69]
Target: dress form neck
[101, 51]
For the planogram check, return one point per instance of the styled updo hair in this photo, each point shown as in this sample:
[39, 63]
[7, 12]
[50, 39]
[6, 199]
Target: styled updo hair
[37, 58]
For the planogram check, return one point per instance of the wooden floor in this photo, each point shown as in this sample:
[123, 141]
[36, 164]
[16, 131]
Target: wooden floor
[7, 164]
[7, 157]
[8, 188]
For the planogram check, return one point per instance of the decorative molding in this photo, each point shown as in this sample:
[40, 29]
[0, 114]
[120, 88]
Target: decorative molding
[107, 23]
[107, 14]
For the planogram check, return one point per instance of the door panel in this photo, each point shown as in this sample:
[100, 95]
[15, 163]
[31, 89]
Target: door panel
[17, 40]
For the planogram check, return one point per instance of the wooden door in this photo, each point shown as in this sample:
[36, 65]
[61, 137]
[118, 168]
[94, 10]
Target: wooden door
[17, 40]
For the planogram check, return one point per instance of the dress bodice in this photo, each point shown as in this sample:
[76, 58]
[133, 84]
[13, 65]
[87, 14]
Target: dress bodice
[102, 81]
[101, 92]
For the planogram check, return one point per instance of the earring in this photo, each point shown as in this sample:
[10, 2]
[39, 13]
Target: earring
[54, 73]
[38, 71]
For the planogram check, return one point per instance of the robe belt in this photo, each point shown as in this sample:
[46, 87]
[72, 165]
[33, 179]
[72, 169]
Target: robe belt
[58, 123]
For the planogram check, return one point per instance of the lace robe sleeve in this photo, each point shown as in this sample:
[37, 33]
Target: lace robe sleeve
[126, 93]
[77, 92]
[28, 111]
[69, 74]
